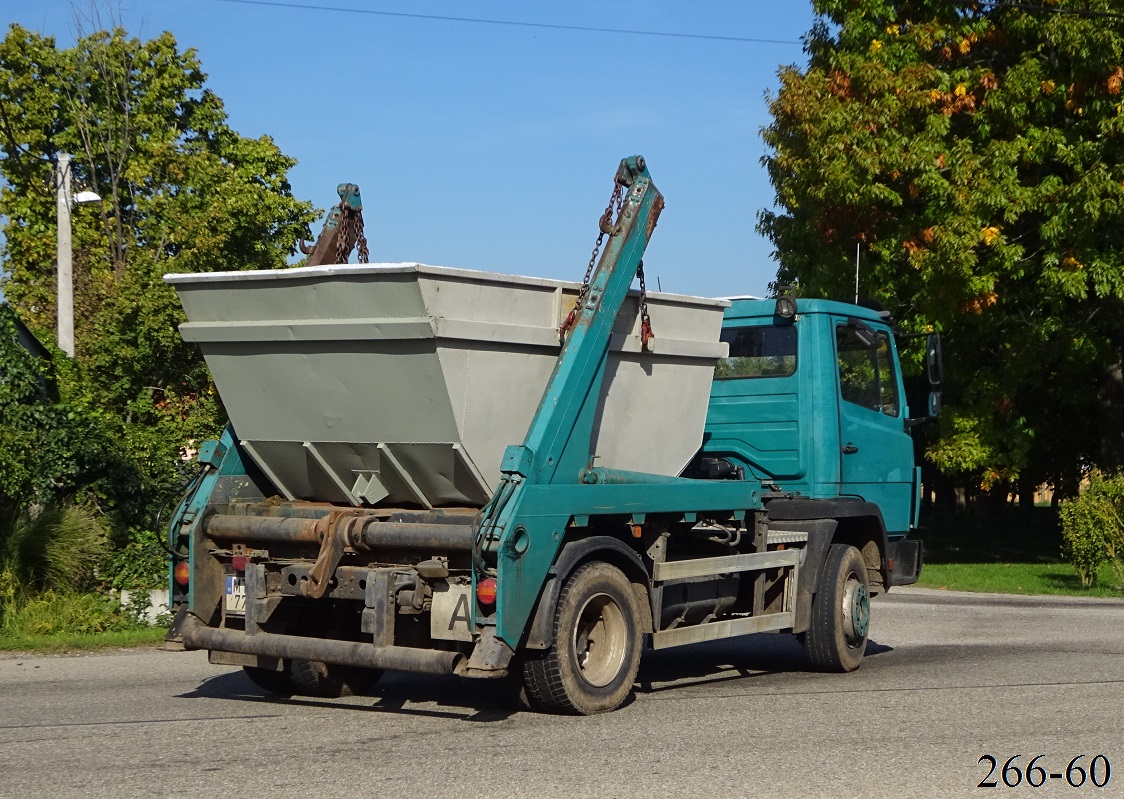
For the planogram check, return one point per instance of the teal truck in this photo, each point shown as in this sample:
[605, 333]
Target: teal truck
[455, 472]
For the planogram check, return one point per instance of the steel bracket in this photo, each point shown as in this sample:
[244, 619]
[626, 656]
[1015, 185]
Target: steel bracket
[378, 617]
[259, 605]
[335, 534]
[490, 657]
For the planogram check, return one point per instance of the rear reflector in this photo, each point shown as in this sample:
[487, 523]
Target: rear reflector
[486, 591]
[239, 563]
[182, 573]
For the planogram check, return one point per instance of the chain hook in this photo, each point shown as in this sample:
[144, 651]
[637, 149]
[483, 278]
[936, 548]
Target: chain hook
[646, 333]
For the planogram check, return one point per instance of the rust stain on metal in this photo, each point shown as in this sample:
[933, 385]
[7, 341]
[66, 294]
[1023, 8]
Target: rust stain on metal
[657, 209]
[324, 250]
[334, 532]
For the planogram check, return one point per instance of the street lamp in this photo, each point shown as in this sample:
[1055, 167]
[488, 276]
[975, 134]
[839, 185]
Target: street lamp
[65, 269]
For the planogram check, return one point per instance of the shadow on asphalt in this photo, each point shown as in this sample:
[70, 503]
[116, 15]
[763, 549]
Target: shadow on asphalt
[450, 697]
[396, 692]
[732, 659]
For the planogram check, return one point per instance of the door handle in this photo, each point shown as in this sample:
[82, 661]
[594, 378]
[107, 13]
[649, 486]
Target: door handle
[850, 449]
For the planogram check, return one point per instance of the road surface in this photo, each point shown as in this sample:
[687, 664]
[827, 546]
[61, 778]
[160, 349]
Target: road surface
[948, 678]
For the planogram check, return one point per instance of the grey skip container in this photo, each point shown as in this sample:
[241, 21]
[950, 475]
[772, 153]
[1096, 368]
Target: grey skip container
[389, 384]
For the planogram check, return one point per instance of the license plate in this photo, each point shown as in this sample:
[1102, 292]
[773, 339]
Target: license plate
[234, 601]
[451, 619]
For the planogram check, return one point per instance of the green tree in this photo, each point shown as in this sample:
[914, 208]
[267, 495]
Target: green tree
[972, 151]
[182, 192]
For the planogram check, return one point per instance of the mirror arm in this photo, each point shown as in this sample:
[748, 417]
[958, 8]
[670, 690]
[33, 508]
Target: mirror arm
[919, 421]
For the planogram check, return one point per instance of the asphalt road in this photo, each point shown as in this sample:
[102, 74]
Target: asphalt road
[948, 678]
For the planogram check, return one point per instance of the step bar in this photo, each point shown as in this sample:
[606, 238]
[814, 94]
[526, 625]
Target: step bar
[667, 571]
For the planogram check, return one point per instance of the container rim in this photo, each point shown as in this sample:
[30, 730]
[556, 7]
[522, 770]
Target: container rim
[406, 267]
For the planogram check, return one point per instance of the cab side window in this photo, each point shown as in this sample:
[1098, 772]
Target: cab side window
[866, 373]
[758, 351]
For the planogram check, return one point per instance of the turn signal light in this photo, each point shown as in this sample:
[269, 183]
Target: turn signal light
[486, 591]
[182, 573]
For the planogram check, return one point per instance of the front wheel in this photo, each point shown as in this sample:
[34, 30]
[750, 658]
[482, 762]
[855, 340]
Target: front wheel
[596, 653]
[836, 639]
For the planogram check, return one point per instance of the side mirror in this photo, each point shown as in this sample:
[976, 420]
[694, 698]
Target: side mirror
[934, 404]
[934, 363]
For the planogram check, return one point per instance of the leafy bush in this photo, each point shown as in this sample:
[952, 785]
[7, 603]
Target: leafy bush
[1093, 527]
[51, 612]
[10, 593]
[140, 564]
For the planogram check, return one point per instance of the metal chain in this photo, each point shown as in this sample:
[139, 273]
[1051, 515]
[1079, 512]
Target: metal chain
[361, 238]
[351, 233]
[604, 227]
[646, 334]
[343, 240]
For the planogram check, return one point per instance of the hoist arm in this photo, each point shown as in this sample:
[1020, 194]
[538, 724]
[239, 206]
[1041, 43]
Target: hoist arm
[557, 441]
[536, 495]
[343, 230]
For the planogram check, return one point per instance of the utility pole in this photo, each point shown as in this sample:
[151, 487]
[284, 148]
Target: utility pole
[64, 250]
[65, 268]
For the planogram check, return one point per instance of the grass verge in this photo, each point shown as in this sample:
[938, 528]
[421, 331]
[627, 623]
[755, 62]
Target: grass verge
[1018, 552]
[1056, 579]
[71, 642]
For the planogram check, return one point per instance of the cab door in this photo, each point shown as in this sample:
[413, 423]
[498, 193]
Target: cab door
[876, 452]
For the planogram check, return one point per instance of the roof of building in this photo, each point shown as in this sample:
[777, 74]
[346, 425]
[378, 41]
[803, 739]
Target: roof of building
[27, 339]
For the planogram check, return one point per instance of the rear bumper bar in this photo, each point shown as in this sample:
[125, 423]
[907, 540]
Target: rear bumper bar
[196, 635]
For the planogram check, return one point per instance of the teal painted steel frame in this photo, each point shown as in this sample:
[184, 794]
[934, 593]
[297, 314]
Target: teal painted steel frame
[217, 459]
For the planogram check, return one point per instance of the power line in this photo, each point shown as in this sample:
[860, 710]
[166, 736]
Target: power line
[511, 23]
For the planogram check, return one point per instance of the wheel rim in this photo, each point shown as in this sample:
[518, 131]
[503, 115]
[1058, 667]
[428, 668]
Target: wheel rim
[600, 638]
[856, 611]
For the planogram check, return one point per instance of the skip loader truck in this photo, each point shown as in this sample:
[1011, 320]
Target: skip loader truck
[457, 472]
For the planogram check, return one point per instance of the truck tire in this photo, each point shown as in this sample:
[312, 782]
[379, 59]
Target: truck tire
[836, 639]
[596, 653]
[270, 681]
[328, 680]
[511, 691]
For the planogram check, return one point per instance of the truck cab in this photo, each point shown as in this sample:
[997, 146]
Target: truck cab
[812, 404]
[810, 401]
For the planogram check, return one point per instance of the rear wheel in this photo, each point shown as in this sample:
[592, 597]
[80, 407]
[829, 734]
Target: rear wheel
[511, 691]
[328, 680]
[596, 653]
[836, 639]
[270, 681]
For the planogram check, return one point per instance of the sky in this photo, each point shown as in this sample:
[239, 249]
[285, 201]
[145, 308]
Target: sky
[493, 146]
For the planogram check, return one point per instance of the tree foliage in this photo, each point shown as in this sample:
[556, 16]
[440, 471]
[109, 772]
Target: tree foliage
[973, 152]
[181, 192]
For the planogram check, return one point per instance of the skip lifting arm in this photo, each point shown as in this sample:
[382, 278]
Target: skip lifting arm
[556, 447]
